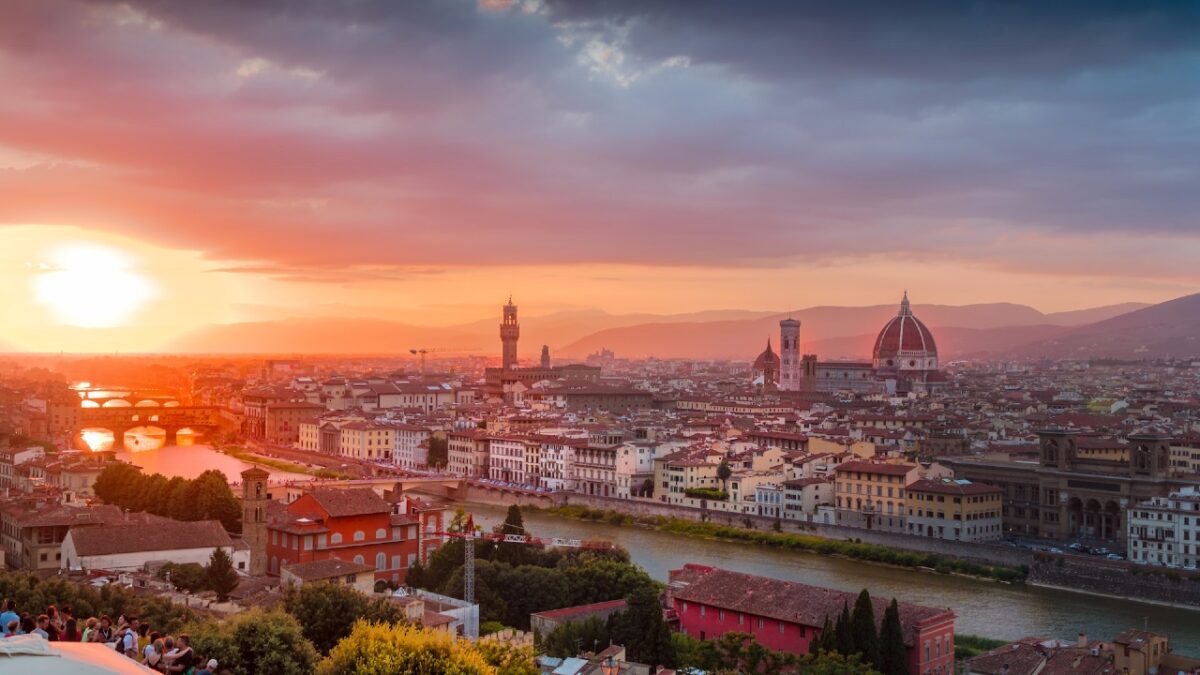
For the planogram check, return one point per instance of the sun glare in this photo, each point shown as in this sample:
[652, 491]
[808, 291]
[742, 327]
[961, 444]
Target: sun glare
[92, 286]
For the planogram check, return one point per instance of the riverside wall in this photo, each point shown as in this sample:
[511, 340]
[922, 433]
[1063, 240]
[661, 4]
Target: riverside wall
[990, 554]
[1118, 579]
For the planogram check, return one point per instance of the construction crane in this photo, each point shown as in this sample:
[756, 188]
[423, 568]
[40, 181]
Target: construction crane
[470, 536]
[422, 352]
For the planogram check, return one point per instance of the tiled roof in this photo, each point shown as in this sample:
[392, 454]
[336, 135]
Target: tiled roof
[341, 502]
[782, 600]
[112, 539]
[872, 467]
[326, 569]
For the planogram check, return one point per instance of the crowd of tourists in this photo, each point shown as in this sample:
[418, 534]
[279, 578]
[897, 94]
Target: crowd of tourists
[127, 635]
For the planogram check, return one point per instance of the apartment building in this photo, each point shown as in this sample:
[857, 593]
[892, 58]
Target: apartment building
[872, 495]
[367, 440]
[411, 449]
[958, 510]
[1166, 530]
[468, 453]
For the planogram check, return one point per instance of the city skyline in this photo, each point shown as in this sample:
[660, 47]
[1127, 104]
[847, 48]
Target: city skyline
[390, 161]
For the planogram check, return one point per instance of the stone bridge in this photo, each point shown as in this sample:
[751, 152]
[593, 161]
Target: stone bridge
[170, 419]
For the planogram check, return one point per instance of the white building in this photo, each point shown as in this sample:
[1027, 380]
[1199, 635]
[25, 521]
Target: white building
[130, 547]
[1166, 530]
[803, 496]
[411, 446]
[635, 466]
[506, 459]
[557, 460]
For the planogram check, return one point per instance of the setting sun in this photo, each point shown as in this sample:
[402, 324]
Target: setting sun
[92, 286]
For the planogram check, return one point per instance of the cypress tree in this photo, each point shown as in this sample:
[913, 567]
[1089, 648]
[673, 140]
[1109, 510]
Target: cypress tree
[893, 657]
[862, 627]
[843, 637]
[826, 641]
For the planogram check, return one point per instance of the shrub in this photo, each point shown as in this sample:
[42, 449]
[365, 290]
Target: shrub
[256, 642]
[399, 649]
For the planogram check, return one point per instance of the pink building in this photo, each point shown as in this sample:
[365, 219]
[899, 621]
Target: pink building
[786, 616]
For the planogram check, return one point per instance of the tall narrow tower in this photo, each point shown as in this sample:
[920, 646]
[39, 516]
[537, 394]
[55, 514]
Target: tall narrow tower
[789, 355]
[510, 332]
[254, 517]
[545, 357]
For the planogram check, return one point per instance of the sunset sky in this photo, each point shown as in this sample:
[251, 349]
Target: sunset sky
[167, 165]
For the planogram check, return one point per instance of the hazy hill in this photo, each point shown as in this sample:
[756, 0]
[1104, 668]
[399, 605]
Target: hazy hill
[1169, 329]
[834, 332]
[829, 331]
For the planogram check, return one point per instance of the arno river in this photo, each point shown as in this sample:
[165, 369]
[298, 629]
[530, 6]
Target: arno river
[984, 608]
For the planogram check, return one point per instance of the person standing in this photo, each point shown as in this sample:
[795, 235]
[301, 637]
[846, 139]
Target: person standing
[184, 657]
[43, 622]
[9, 615]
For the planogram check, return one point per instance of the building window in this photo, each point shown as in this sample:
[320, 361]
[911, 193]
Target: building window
[359, 559]
[381, 533]
[395, 562]
[336, 538]
[380, 562]
[359, 535]
[781, 628]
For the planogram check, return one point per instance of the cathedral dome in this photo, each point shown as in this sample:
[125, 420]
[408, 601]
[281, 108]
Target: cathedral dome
[767, 360]
[905, 343]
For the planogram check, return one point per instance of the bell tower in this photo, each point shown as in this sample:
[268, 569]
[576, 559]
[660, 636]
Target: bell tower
[510, 332]
[789, 355]
[254, 517]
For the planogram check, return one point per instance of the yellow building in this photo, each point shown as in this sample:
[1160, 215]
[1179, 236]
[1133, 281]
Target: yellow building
[872, 495]
[364, 440]
[958, 510]
[678, 472]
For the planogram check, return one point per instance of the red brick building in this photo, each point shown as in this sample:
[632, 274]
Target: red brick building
[351, 524]
[787, 616]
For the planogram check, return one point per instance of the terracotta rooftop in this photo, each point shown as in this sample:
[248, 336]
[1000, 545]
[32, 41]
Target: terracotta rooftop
[343, 502]
[783, 600]
[112, 539]
[326, 569]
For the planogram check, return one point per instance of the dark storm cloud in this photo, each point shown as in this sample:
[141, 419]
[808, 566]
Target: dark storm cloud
[309, 134]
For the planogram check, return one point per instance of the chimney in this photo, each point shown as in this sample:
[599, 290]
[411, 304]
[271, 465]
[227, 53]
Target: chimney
[1083, 641]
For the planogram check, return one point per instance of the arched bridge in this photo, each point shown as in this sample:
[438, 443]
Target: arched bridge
[170, 420]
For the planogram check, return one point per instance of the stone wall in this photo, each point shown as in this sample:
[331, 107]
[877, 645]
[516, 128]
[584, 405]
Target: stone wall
[991, 554]
[1117, 579]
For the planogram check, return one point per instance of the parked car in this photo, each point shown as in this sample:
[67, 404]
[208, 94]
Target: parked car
[1055, 550]
[1114, 556]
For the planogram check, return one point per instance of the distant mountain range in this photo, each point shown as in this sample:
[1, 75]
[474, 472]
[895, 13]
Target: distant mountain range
[1165, 330]
[832, 332]
[846, 332]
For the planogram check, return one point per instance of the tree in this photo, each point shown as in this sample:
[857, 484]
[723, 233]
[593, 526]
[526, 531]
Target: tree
[439, 452]
[893, 657]
[570, 637]
[512, 553]
[843, 633]
[255, 642]
[827, 640]
[189, 577]
[328, 611]
[220, 574]
[642, 630]
[833, 664]
[724, 472]
[862, 627]
[400, 649]
[647, 488]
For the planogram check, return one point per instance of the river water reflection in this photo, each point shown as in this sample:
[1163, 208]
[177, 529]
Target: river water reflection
[984, 608]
